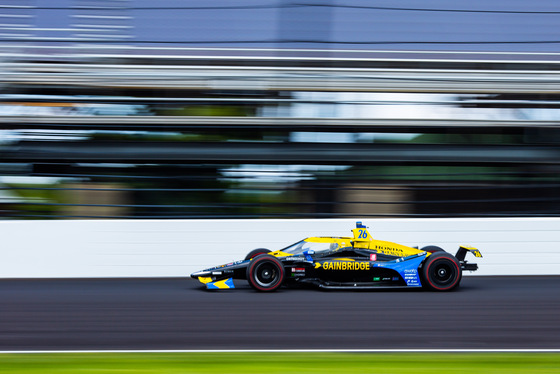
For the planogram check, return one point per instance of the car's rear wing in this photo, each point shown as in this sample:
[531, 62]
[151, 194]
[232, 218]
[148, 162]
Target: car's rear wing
[462, 252]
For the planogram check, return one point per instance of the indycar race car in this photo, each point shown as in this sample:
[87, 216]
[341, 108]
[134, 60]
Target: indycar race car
[345, 263]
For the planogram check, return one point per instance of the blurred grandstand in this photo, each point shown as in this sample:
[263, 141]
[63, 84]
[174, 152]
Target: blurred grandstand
[120, 109]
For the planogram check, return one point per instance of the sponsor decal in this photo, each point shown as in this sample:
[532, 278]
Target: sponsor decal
[373, 257]
[376, 279]
[411, 277]
[298, 272]
[395, 279]
[294, 258]
[386, 279]
[231, 263]
[393, 252]
[343, 265]
[390, 251]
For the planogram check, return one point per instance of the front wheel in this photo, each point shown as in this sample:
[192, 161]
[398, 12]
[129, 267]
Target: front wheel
[441, 272]
[265, 273]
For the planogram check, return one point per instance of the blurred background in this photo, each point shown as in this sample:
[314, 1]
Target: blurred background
[279, 108]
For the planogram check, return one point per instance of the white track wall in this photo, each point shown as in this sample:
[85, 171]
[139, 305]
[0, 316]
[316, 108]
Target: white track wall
[175, 248]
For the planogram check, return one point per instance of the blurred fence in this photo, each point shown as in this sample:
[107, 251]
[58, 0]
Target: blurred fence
[224, 133]
[221, 191]
[277, 73]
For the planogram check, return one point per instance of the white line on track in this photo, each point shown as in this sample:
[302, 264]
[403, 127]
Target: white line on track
[497, 350]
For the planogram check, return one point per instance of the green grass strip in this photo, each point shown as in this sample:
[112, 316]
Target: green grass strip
[270, 363]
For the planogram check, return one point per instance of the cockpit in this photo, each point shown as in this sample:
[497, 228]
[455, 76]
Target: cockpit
[304, 245]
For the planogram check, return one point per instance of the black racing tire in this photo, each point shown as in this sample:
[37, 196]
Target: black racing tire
[432, 249]
[265, 273]
[255, 252]
[441, 271]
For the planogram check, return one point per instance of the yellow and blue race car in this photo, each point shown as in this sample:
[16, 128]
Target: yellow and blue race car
[345, 263]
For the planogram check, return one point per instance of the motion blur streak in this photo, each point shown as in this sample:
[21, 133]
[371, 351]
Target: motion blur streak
[122, 314]
[276, 108]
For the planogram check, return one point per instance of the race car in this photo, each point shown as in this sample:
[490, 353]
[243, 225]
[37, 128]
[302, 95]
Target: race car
[345, 263]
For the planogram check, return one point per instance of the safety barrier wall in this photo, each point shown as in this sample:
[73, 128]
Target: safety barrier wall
[174, 248]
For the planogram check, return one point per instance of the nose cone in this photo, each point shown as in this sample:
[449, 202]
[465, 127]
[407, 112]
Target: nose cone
[198, 274]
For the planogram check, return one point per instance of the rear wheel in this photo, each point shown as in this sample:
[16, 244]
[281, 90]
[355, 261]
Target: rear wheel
[441, 272]
[255, 252]
[265, 273]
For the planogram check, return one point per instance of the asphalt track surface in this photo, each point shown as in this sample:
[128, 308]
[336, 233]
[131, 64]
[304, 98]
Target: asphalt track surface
[80, 314]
